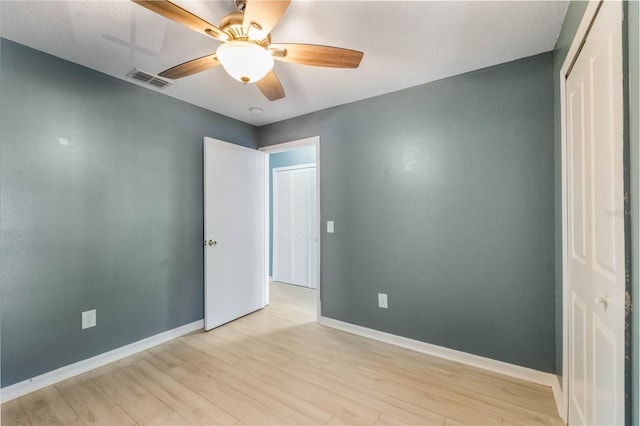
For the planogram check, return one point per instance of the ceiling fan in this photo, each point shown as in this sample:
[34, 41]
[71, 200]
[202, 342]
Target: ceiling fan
[246, 52]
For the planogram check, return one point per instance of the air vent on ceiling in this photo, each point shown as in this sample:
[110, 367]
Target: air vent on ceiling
[149, 78]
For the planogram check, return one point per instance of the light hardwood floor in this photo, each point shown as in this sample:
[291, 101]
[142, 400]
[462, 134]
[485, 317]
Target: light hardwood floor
[278, 367]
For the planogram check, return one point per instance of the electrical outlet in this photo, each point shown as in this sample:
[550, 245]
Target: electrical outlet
[330, 227]
[89, 319]
[383, 302]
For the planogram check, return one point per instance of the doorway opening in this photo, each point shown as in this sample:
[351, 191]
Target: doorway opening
[293, 215]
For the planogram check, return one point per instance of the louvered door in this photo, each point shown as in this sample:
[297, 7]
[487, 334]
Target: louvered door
[295, 223]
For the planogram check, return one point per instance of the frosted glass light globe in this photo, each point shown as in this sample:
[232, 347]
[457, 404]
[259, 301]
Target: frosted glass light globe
[245, 61]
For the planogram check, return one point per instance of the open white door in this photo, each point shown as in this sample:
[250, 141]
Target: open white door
[234, 232]
[595, 225]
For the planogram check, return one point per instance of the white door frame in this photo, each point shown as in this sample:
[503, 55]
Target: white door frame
[287, 146]
[574, 49]
[274, 191]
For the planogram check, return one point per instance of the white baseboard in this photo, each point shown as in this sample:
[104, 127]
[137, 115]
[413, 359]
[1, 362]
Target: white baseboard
[500, 367]
[21, 388]
[558, 395]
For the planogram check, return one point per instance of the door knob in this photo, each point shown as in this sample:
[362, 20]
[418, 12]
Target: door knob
[212, 243]
[602, 300]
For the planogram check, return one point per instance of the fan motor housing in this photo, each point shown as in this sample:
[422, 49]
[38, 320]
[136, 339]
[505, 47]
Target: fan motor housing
[232, 25]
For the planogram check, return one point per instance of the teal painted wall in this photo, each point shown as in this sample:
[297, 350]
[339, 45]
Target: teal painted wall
[567, 33]
[101, 206]
[305, 155]
[443, 197]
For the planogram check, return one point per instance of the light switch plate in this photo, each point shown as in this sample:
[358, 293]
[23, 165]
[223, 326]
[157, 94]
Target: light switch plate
[383, 301]
[89, 319]
[330, 226]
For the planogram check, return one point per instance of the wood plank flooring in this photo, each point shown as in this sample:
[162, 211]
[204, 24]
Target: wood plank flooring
[278, 367]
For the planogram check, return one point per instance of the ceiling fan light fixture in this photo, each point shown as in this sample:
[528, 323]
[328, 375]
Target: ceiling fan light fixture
[245, 61]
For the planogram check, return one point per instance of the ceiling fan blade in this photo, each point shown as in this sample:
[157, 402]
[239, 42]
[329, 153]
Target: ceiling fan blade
[270, 86]
[316, 55]
[260, 16]
[182, 16]
[191, 67]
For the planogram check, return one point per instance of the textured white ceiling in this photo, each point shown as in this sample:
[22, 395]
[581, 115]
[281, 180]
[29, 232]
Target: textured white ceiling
[405, 43]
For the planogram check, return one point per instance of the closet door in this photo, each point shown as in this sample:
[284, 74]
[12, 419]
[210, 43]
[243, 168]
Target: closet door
[595, 218]
[282, 224]
[295, 223]
[313, 229]
[300, 241]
